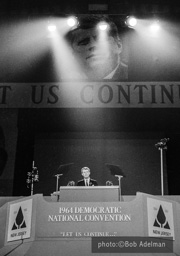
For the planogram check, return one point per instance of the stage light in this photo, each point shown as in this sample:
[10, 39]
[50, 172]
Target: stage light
[155, 26]
[102, 26]
[52, 27]
[131, 21]
[72, 21]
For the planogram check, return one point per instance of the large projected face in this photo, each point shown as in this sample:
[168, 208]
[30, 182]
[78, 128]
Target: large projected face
[99, 54]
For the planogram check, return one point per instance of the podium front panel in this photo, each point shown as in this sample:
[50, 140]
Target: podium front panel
[89, 194]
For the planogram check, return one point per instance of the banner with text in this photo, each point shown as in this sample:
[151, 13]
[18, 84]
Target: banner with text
[90, 95]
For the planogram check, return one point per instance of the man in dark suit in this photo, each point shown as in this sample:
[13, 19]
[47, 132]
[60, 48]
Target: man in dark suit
[86, 181]
[98, 54]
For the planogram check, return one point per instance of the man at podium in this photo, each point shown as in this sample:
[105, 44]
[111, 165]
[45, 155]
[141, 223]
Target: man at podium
[86, 181]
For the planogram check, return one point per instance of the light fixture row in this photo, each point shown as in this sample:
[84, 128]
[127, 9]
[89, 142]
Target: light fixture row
[72, 22]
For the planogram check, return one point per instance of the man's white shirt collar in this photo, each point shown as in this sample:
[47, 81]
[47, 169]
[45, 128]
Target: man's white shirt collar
[86, 181]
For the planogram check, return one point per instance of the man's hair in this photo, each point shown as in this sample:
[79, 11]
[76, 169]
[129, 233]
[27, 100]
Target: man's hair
[85, 168]
[91, 21]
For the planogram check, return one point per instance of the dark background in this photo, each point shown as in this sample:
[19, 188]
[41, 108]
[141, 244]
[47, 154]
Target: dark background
[49, 136]
[93, 137]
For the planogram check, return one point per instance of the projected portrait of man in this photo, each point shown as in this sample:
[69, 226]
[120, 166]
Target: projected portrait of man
[97, 48]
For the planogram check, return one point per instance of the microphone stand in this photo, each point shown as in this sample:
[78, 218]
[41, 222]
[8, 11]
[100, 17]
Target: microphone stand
[119, 179]
[162, 145]
[57, 181]
[117, 172]
[62, 169]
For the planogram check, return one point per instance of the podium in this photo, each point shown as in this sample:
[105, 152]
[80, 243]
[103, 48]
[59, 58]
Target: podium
[87, 194]
[33, 226]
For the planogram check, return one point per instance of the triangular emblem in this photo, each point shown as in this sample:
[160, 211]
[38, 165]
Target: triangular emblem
[161, 220]
[19, 221]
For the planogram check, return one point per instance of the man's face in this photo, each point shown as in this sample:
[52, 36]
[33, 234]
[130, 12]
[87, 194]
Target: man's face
[98, 55]
[85, 173]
